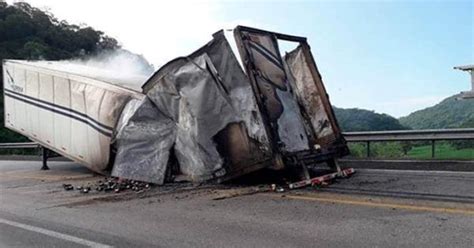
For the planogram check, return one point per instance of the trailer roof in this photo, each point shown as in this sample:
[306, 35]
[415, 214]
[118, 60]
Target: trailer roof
[464, 67]
[117, 78]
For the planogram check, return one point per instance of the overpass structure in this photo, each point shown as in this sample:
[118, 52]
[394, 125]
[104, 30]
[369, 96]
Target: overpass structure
[469, 69]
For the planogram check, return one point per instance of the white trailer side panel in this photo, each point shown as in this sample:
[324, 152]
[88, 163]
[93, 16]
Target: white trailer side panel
[46, 116]
[62, 122]
[81, 131]
[32, 114]
[70, 114]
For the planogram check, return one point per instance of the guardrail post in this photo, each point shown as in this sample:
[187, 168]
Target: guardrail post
[45, 158]
[368, 149]
[432, 148]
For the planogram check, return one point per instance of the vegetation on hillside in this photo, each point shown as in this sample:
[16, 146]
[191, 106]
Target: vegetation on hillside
[29, 33]
[355, 119]
[449, 113]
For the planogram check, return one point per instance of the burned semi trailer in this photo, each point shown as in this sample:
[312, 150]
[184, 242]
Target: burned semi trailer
[232, 107]
[66, 108]
[216, 115]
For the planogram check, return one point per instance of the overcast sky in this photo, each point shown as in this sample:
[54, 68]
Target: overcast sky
[389, 56]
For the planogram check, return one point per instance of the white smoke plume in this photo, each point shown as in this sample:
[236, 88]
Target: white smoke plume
[119, 67]
[119, 61]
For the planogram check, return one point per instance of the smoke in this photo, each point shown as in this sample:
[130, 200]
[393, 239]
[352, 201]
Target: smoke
[120, 67]
[120, 61]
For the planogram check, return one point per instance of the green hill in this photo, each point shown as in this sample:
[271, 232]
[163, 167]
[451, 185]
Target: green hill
[449, 113]
[30, 33]
[355, 119]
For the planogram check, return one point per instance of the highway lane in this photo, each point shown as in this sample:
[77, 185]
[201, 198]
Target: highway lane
[15, 234]
[444, 186]
[191, 218]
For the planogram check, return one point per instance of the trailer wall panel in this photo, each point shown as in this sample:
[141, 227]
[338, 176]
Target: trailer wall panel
[46, 117]
[70, 114]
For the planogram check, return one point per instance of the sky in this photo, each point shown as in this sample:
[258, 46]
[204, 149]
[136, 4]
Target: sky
[392, 57]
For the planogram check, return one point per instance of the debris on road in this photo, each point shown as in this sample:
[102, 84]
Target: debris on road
[111, 184]
[68, 186]
[280, 190]
[322, 180]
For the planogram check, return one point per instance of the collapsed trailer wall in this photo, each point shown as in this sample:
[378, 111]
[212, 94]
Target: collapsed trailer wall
[70, 114]
[214, 127]
[216, 122]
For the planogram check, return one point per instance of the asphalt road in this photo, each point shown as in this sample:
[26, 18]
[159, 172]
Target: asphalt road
[407, 164]
[374, 208]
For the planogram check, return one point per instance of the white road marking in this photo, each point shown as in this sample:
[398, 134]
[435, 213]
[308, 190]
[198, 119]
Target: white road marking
[55, 234]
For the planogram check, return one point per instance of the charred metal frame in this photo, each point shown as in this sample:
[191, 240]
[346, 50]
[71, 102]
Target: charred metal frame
[305, 157]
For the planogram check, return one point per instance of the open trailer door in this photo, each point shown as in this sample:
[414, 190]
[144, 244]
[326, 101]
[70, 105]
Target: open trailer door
[292, 97]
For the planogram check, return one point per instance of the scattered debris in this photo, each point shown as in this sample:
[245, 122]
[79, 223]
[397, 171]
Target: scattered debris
[68, 187]
[231, 193]
[280, 190]
[322, 180]
[114, 184]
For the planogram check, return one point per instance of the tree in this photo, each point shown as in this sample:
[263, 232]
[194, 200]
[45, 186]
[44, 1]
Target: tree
[29, 33]
[449, 113]
[364, 120]
[406, 147]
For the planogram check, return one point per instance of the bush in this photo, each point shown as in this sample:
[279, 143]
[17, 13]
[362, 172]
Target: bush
[358, 150]
[386, 150]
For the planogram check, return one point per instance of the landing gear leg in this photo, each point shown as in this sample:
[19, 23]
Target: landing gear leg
[334, 165]
[45, 153]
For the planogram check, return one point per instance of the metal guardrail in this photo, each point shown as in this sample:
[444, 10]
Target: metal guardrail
[432, 135]
[411, 135]
[28, 145]
[367, 137]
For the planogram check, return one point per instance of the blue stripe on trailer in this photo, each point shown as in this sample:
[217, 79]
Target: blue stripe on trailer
[85, 119]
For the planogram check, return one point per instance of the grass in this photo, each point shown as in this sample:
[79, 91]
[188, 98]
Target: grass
[442, 151]
[394, 150]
